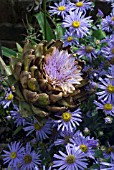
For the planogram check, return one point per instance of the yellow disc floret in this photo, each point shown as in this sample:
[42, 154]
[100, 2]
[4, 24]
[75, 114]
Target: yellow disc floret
[76, 24]
[28, 159]
[112, 50]
[66, 116]
[108, 106]
[10, 96]
[83, 148]
[61, 8]
[70, 38]
[37, 126]
[79, 4]
[110, 88]
[13, 155]
[70, 159]
[112, 18]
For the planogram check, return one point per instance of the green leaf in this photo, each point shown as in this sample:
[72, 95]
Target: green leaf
[49, 31]
[19, 48]
[17, 130]
[99, 34]
[59, 31]
[8, 52]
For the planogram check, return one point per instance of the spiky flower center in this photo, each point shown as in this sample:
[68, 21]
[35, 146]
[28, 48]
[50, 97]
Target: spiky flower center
[76, 24]
[112, 18]
[108, 106]
[10, 96]
[61, 8]
[83, 148]
[110, 149]
[79, 4]
[112, 50]
[70, 159]
[89, 49]
[66, 116]
[70, 38]
[13, 155]
[110, 88]
[28, 159]
[37, 126]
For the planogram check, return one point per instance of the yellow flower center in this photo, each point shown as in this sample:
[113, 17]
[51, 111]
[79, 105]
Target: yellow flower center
[67, 139]
[61, 8]
[37, 126]
[66, 116]
[76, 24]
[79, 4]
[89, 49]
[110, 149]
[70, 38]
[13, 155]
[28, 159]
[70, 159]
[112, 50]
[108, 106]
[112, 18]
[83, 148]
[10, 96]
[110, 88]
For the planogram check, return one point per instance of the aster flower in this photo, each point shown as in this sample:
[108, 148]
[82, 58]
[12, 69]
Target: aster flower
[100, 13]
[8, 99]
[30, 159]
[82, 5]
[77, 23]
[107, 87]
[87, 51]
[12, 157]
[108, 108]
[69, 120]
[72, 159]
[107, 23]
[69, 39]
[60, 8]
[42, 129]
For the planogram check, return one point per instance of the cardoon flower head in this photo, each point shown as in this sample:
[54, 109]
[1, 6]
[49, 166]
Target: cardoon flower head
[61, 71]
[69, 39]
[82, 5]
[30, 159]
[73, 159]
[108, 108]
[77, 23]
[12, 157]
[60, 9]
[87, 51]
[8, 99]
[69, 120]
[42, 129]
[107, 87]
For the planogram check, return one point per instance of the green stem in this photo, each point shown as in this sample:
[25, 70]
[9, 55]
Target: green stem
[44, 9]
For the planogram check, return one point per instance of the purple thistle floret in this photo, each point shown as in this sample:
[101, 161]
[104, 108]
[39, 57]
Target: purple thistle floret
[30, 159]
[77, 23]
[61, 70]
[73, 159]
[12, 157]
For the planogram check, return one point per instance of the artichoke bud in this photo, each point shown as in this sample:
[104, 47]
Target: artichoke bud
[32, 84]
[24, 76]
[43, 99]
[55, 97]
[67, 104]
[17, 70]
[27, 62]
[30, 96]
[56, 109]
[39, 50]
[39, 112]
[25, 109]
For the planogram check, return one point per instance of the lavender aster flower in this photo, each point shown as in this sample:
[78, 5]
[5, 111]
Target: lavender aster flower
[87, 51]
[69, 120]
[71, 160]
[107, 87]
[60, 9]
[69, 39]
[30, 159]
[77, 23]
[108, 108]
[42, 130]
[13, 155]
[108, 23]
[83, 5]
